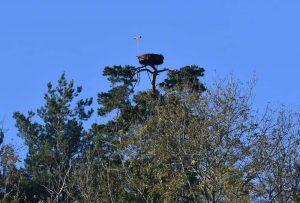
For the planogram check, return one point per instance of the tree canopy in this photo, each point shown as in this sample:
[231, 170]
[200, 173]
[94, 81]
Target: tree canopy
[181, 141]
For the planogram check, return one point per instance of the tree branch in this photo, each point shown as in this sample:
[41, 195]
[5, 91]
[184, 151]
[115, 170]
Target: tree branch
[144, 69]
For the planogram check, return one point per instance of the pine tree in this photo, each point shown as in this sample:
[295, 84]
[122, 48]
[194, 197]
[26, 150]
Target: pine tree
[115, 138]
[55, 137]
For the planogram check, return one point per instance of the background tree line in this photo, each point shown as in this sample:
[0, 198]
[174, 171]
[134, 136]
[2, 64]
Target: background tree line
[184, 143]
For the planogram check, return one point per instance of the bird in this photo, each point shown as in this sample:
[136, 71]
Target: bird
[138, 37]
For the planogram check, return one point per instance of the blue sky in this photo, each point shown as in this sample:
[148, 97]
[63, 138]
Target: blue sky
[41, 39]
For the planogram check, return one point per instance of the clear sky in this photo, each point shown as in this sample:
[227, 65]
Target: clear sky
[41, 39]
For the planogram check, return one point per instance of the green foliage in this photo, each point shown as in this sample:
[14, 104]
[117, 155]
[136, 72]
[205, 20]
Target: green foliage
[186, 77]
[115, 138]
[10, 176]
[119, 74]
[57, 135]
[184, 152]
[174, 144]
[122, 81]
